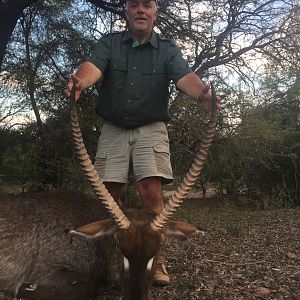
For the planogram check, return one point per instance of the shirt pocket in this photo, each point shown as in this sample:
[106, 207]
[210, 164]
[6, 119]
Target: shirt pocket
[118, 65]
[117, 72]
[156, 77]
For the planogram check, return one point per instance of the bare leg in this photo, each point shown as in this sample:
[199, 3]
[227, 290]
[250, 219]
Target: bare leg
[115, 189]
[150, 191]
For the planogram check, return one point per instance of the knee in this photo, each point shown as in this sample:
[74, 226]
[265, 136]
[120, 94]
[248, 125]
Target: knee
[150, 193]
[150, 187]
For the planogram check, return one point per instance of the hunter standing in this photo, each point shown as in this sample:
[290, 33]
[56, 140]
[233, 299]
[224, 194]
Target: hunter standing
[136, 67]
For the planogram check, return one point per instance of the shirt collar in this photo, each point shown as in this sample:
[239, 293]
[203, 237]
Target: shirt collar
[153, 38]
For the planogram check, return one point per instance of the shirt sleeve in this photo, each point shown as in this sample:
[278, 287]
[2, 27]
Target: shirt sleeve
[102, 53]
[177, 65]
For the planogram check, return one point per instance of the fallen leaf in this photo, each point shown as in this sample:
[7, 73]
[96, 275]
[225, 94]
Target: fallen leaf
[292, 256]
[262, 292]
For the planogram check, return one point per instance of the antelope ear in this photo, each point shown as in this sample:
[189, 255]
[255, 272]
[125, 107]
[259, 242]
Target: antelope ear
[96, 230]
[181, 230]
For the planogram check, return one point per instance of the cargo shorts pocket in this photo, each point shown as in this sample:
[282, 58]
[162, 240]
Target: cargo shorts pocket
[162, 158]
[100, 162]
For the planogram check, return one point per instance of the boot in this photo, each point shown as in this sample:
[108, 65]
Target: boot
[161, 276]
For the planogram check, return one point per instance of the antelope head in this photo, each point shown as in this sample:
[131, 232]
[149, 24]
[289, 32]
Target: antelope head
[138, 233]
[138, 246]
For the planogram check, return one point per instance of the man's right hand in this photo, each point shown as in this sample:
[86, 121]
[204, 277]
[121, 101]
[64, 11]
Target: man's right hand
[85, 77]
[77, 83]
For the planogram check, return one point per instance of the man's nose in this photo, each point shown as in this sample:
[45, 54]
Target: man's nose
[141, 7]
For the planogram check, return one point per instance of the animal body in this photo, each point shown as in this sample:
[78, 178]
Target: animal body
[41, 259]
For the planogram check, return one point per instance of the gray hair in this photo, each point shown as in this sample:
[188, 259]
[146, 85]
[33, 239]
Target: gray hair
[126, 4]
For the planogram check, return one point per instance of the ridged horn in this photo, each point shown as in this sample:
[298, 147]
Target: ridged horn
[176, 199]
[90, 172]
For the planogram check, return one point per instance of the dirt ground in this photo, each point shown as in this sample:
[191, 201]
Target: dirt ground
[244, 254]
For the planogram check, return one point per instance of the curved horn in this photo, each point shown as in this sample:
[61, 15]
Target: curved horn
[193, 173]
[90, 172]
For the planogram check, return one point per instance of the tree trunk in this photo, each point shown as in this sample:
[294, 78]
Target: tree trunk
[10, 10]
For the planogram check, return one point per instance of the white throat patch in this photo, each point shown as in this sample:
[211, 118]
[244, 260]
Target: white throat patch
[150, 264]
[126, 263]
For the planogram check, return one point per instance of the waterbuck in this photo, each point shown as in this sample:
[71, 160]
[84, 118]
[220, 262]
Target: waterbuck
[48, 252]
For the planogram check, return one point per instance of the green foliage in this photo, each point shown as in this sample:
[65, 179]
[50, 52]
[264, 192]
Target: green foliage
[255, 156]
[16, 166]
[185, 131]
[32, 165]
[261, 158]
[256, 150]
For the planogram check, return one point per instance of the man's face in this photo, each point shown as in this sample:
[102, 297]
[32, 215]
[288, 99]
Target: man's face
[141, 15]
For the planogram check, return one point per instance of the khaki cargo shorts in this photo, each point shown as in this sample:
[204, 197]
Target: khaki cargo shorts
[144, 151]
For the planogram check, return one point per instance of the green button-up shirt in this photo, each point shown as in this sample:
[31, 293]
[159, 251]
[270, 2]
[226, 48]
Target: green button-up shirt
[136, 78]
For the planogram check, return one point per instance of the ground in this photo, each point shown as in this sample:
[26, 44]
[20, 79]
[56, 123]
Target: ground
[244, 254]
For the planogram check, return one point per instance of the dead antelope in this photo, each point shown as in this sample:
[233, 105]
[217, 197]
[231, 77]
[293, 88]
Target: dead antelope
[39, 260]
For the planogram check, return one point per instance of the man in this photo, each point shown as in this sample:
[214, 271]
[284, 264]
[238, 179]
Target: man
[136, 67]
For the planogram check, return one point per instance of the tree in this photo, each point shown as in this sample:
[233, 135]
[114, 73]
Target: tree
[213, 31]
[11, 10]
[220, 40]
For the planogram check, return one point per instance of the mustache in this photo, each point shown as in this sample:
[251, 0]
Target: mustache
[140, 18]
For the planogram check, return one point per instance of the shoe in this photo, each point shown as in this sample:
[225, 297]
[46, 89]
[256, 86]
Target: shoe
[161, 276]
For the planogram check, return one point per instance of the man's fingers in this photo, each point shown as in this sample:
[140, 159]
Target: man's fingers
[207, 88]
[69, 87]
[73, 82]
[75, 79]
[68, 90]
